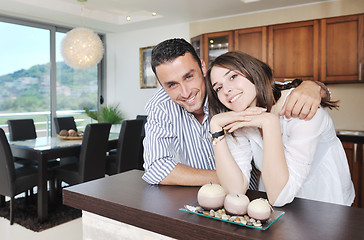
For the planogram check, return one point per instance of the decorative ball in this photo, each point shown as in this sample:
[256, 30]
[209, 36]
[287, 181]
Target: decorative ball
[211, 196]
[63, 133]
[82, 48]
[236, 203]
[259, 209]
[72, 133]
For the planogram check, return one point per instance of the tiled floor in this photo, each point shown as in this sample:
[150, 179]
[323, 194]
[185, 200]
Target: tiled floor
[71, 231]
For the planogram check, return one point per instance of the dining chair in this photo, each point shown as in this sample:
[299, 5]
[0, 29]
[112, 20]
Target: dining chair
[127, 152]
[21, 129]
[65, 123]
[13, 181]
[92, 156]
[141, 148]
[24, 129]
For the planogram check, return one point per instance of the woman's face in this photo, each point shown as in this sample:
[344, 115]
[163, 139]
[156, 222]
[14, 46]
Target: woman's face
[233, 90]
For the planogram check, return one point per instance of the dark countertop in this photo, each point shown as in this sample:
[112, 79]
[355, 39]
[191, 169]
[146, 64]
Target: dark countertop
[350, 136]
[127, 198]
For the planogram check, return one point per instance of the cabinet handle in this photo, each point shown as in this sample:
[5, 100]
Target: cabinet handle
[360, 71]
[355, 152]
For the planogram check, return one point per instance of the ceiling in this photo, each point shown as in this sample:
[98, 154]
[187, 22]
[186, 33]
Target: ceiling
[110, 15]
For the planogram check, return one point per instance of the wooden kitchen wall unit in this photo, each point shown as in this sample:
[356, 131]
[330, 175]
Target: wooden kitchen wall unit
[197, 43]
[330, 50]
[293, 50]
[354, 154]
[252, 41]
[210, 45]
[215, 44]
[342, 49]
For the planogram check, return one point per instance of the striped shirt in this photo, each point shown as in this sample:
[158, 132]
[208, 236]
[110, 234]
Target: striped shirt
[172, 136]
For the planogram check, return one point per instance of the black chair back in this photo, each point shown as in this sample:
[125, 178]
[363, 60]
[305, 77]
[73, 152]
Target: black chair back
[93, 151]
[7, 171]
[21, 129]
[65, 123]
[128, 145]
[141, 147]
[144, 117]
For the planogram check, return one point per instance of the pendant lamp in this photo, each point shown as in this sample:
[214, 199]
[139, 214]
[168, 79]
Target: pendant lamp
[82, 48]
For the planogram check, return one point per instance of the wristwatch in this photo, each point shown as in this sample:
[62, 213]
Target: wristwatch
[218, 134]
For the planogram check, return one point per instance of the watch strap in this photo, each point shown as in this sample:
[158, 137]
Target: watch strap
[218, 134]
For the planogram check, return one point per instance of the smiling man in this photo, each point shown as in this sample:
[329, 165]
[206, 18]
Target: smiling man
[177, 143]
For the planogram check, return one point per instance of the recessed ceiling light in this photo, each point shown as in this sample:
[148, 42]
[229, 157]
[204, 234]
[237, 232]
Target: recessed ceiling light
[128, 18]
[154, 14]
[249, 1]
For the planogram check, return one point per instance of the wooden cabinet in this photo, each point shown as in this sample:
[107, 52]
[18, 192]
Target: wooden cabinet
[330, 50]
[215, 44]
[252, 41]
[354, 154]
[196, 42]
[294, 50]
[342, 49]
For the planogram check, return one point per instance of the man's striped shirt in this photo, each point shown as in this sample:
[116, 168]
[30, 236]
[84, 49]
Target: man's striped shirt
[172, 136]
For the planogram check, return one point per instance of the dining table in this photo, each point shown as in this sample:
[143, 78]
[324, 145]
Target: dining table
[124, 206]
[43, 149]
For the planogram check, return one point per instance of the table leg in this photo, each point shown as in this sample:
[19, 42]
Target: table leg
[42, 190]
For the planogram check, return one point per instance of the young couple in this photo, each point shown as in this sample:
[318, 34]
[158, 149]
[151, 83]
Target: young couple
[300, 157]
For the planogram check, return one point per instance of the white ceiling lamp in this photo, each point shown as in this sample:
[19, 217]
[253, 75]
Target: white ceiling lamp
[82, 48]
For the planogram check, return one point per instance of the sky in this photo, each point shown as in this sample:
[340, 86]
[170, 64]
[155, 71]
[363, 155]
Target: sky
[22, 47]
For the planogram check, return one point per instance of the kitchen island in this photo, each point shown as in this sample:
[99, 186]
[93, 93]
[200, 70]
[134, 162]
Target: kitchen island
[124, 201]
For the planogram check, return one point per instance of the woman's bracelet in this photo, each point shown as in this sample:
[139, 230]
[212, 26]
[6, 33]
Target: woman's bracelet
[216, 140]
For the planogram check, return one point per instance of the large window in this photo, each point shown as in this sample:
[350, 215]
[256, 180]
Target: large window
[36, 83]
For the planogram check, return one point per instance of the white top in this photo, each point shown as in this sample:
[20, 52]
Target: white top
[318, 168]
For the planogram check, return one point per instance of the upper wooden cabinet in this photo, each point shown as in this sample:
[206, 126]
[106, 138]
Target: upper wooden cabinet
[342, 49]
[197, 45]
[329, 50]
[215, 44]
[252, 41]
[293, 50]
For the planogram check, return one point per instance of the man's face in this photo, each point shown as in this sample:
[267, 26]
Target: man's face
[183, 80]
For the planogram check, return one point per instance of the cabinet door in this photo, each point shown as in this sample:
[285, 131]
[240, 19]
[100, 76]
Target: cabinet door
[293, 50]
[252, 41]
[196, 42]
[351, 150]
[342, 49]
[216, 44]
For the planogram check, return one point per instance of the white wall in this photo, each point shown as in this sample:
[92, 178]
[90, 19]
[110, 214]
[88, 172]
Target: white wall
[122, 74]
